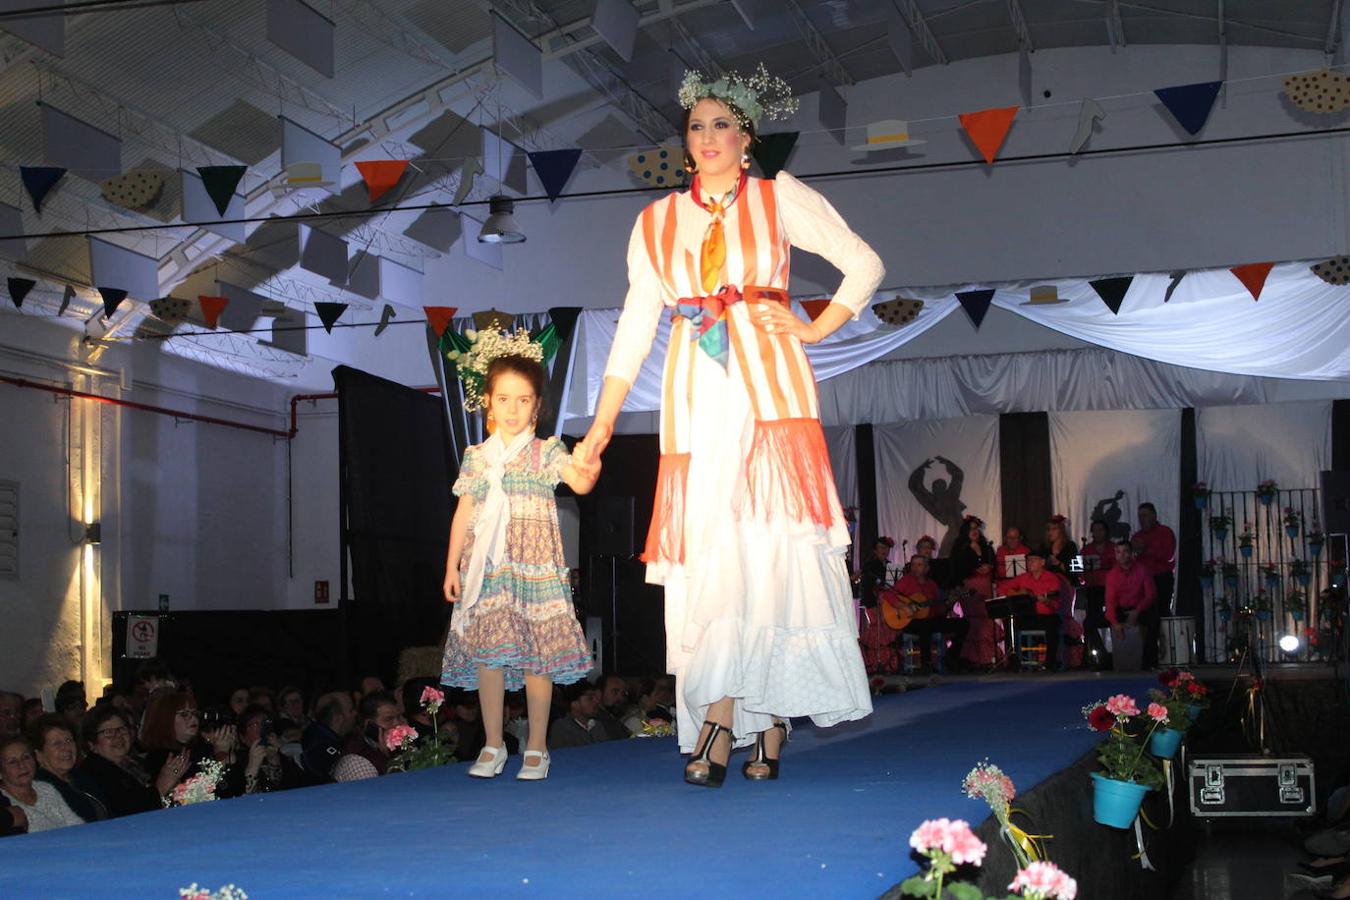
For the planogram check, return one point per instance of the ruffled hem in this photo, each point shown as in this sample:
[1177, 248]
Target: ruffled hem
[500, 635]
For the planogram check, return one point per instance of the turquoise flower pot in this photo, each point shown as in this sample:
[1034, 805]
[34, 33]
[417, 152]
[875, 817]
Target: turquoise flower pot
[1304, 579]
[1246, 551]
[1165, 743]
[1297, 615]
[1263, 615]
[1225, 616]
[1266, 499]
[1193, 712]
[1315, 549]
[1207, 581]
[1201, 502]
[1291, 530]
[1116, 803]
[1220, 535]
[1230, 581]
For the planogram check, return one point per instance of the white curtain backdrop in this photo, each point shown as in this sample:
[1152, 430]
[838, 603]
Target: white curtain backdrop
[1240, 446]
[1108, 463]
[971, 444]
[844, 462]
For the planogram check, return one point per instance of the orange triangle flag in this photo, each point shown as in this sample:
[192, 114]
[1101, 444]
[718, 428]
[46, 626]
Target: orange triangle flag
[381, 174]
[814, 307]
[1253, 277]
[438, 317]
[212, 307]
[988, 128]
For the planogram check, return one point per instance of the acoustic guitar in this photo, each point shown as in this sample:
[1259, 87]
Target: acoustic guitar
[898, 610]
[1026, 592]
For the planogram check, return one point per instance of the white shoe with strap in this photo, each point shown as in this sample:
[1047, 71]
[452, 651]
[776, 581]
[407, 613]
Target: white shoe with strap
[490, 763]
[537, 771]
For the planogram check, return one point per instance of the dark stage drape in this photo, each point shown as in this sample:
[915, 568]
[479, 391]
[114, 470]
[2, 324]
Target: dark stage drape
[1024, 461]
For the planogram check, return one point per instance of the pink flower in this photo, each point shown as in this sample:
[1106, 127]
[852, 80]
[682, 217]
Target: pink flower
[929, 835]
[1122, 706]
[1044, 881]
[951, 836]
[1158, 713]
[1183, 677]
[395, 738]
[432, 698]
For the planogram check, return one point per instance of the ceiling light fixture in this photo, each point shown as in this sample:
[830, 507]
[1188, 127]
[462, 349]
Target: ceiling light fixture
[501, 227]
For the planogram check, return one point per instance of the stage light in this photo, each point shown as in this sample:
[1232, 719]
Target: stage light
[1289, 643]
[501, 227]
[93, 533]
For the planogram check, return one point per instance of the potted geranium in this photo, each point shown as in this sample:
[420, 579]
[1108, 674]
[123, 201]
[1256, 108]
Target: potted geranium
[1207, 573]
[1271, 573]
[1231, 575]
[1315, 539]
[1218, 526]
[1266, 491]
[1261, 606]
[1223, 609]
[1200, 494]
[1246, 540]
[409, 752]
[1300, 571]
[1296, 604]
[1293, 522]
[1176, 697]
[945, 844]
[1127, 772]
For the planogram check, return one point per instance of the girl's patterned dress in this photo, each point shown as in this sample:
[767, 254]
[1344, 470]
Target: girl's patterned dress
[523, 621]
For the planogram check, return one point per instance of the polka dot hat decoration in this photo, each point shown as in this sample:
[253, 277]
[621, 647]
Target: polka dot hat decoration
[661, 166]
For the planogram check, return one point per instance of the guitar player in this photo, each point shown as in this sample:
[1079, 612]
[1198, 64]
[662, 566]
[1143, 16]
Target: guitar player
[916, 594]
[1039, 582]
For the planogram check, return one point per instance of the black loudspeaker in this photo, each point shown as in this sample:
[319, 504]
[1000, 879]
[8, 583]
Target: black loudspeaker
[614, 531]
[1336, 502]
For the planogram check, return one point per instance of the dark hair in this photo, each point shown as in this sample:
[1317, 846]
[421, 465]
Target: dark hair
[371, 703]
[6, 743]
[884, 541]
[251, 712]
[69, 690]
[37, 732]
[530, 369]
[736, 113]
[1149, 506]
[1101, 522]
[578, 689]
[157, 731]
[153, 669]
[96, 718]
[1124, 542]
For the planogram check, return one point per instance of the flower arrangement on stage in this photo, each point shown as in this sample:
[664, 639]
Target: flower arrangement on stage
[946, 844]
[1128, 730]
[1044, 881]
[200, 788]
[411, 754]
[227, 892]
[1266, 491]
[987, 782]
[1200, 494]
[656, 728]
[1181, 695]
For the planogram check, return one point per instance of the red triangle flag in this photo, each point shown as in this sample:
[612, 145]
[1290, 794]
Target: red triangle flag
[1253, 277]
[212, 307]
[381, 174]
[814, 307]
[438, 317]
[988, 128]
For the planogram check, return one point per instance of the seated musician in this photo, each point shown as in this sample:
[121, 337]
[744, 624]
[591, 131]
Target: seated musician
[939, 570]
[1132, 601]
[1039, 582]
[874, 571]
[1099, 558]
[1012, 546]
[921, 597]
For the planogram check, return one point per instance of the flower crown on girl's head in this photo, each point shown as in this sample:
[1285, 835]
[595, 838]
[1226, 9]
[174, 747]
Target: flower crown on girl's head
[754, 96]
[485, 346]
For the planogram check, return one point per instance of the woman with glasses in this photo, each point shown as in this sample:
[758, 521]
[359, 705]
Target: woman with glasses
[120, 779]
[57, 752]
[40, 802]
[175, 746]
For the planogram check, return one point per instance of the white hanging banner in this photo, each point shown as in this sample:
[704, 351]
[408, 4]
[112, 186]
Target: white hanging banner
[1105, 463]
[932, 474]
[1238, 447]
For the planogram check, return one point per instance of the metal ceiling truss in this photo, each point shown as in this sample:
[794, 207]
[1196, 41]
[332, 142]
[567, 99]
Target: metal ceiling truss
[919, 26]
[1333, 41]
[1020, 24]
[382, 26]
[817, 46]
[1115, 26]
[701, 57]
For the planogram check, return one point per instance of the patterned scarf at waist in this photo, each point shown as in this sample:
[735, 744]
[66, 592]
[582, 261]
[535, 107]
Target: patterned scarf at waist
[708, 315]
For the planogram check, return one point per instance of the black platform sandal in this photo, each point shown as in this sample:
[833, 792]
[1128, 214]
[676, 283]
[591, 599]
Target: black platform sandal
[716, 773]
[765, 769]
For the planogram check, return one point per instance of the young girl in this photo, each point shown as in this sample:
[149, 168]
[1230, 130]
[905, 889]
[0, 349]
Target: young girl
[506, 571]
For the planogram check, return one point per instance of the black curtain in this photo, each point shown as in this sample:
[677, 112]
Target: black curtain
[1340, 435]
[864, 447]
[396, 469]
[1024, 463]
[1190, 543]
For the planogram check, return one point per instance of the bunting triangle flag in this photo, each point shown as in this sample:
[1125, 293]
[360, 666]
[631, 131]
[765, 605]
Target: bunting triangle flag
[548, 341]
[212, 307]
[1112, 291]
[220, 183]
[1190, 104]
[385, 315]
[815, 307]
[38, 181]
[66, 297]
[112, 298]
[771, 151]
[565, 318]
[1253, 277]
[976, 304]
[329, 313]
[438, 317]
[19, 288]
[381, 175]
[554, 167]
[988, 128]
[492, 318]
[170, 310]
[1172, 285]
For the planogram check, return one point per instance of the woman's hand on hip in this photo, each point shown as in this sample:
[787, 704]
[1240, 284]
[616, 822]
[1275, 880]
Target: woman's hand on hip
[774, 318]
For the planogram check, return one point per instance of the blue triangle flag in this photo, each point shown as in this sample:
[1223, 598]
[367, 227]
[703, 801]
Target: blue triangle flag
[39, 180]
[976, 304]
[554, 167]
[1190, 103]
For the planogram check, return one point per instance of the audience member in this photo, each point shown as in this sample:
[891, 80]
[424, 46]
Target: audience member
[11, 714]
[57, 750]
[262, 770]
[238, 700]
[174, 745]
[71, 702]
[12, 818]
[322, 742]
[291, 718]
[377, 714]
[655, 698]
[578, 728]
[262, 696]
[41, 803]
[122, 783]
[613, 707]
[32, 711]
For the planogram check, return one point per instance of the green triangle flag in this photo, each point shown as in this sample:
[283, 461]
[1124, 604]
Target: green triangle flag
[19, 288]
[112, 298]
[548, 340]
[1112, 291]
[329, 313]
[220, 182]
[772, 150]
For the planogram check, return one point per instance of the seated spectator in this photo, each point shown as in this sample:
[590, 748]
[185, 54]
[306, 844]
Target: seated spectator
[32, 710]
[322, 742]
[656, 701]
[262, 770]
[71, 702]
[11, 713]
[291, 719]
[238, 700]
[262, 696]
[176, 748]
[122, 783]
[368, 685]
[613, 707]
[578, 727]
[377, 714]
[41, 803]
[55, 746]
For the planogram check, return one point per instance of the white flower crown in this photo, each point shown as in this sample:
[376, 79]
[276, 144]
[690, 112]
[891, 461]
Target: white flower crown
[484, 347]
[755, 96]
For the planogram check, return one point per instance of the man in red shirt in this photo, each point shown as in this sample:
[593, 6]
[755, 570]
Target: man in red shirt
[1132, 601]
[1049, 591]
[916, 584]
[1155, 550]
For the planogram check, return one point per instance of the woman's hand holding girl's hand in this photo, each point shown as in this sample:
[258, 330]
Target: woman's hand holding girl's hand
[586, 463]
[451, 586]
[590, 447]
[774, 318]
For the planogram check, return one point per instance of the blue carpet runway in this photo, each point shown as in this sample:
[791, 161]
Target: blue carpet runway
[613, 820]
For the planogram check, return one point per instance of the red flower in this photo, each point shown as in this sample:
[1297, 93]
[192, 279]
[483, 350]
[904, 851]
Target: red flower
[1196, 689]
[1101, 719]
[1169, 677]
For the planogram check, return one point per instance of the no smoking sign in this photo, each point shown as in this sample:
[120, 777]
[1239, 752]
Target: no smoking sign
[142, 637]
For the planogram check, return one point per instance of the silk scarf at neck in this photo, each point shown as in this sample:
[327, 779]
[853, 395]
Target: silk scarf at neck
[489, 529]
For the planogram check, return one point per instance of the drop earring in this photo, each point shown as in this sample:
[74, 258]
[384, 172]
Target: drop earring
[745, 160]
